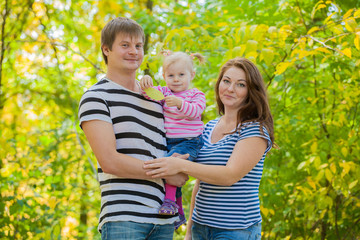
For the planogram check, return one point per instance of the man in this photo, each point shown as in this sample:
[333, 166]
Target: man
[124, 130]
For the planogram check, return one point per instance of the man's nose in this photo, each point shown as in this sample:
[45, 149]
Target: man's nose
[133, 50]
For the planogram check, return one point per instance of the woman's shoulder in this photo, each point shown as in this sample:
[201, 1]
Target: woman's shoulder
[253, 128]
[251, 125]
[212, 122]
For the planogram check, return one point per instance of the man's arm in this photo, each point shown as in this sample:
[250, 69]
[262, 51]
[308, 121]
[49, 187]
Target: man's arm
[100, 135]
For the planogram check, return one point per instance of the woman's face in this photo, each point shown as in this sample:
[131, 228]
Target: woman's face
[233, 88]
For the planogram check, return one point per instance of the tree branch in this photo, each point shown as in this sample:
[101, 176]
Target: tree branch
[2, 55]
[323, 43]
[53, 43]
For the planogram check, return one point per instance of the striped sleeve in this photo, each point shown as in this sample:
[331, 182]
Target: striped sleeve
[93, 107]
[194, 108]
[253, 130]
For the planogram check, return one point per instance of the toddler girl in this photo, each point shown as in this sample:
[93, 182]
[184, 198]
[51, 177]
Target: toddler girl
[182, 111]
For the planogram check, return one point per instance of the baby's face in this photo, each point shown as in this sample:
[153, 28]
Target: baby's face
[178, 76]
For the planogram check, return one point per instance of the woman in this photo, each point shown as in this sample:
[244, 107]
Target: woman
[225, 201]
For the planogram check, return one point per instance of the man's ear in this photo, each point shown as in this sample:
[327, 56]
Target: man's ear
[105, 50]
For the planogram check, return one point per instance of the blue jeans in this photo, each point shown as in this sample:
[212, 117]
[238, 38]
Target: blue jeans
[183, 145]
[203, 232]
[136, 231]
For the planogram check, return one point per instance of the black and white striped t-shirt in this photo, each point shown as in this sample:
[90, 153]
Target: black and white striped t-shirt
[236, 206]
[139, 130]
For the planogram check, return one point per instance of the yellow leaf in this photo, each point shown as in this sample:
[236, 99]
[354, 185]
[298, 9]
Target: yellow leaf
[39, 9]
[154, 94]
[346, 168]
[322, 49]
[281, 67]
[348, 13]
[268, 56]
[329, 17]
[347, 52]
[272, 212]
[357, 13]
[52, 202]
[222, 24]
[328, 175]
[350, 24]
[273, 32]
[325, 165]
[353, 184]
[251, 45]
[303, 53]
[320, 6]
[344, 151]
[337, 29]
[301, 165]
[313, 29]
[317, 8]
[237, 51]
[264, 211]
[320, 175]
[313, 147]
[252, 56]
[333, 168]
[357, 42]
[311, 183]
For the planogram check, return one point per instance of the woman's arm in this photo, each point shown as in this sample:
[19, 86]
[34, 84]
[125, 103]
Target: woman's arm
[192, 205]
[246, 154]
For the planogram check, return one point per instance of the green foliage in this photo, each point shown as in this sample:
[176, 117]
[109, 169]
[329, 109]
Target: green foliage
[307, 51]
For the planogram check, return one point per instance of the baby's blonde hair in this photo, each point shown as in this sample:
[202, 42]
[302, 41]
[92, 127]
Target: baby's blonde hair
[170, 58]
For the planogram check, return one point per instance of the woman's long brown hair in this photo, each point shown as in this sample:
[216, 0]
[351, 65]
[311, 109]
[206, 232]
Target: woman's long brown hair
[256, 105]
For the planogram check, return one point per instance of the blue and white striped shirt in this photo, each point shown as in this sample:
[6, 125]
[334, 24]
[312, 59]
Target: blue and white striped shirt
[236, 206]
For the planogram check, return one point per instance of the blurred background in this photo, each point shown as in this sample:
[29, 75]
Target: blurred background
[308, 52]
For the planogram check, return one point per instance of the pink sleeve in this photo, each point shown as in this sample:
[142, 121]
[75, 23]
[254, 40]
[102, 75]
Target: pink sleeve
[194, 108]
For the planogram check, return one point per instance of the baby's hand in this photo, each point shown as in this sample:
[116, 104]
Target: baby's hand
[146, 82]
[173, 101]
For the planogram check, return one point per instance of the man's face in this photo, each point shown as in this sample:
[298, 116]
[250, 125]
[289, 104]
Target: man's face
[127, 52]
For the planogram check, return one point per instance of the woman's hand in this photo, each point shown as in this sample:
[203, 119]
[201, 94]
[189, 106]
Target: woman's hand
[164, 167]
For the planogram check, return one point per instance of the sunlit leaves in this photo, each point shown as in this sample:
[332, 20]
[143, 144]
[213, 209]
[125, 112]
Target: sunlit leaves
[307, 53]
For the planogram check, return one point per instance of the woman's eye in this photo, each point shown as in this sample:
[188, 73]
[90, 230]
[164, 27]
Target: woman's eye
[241, 85]
[226, 81]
